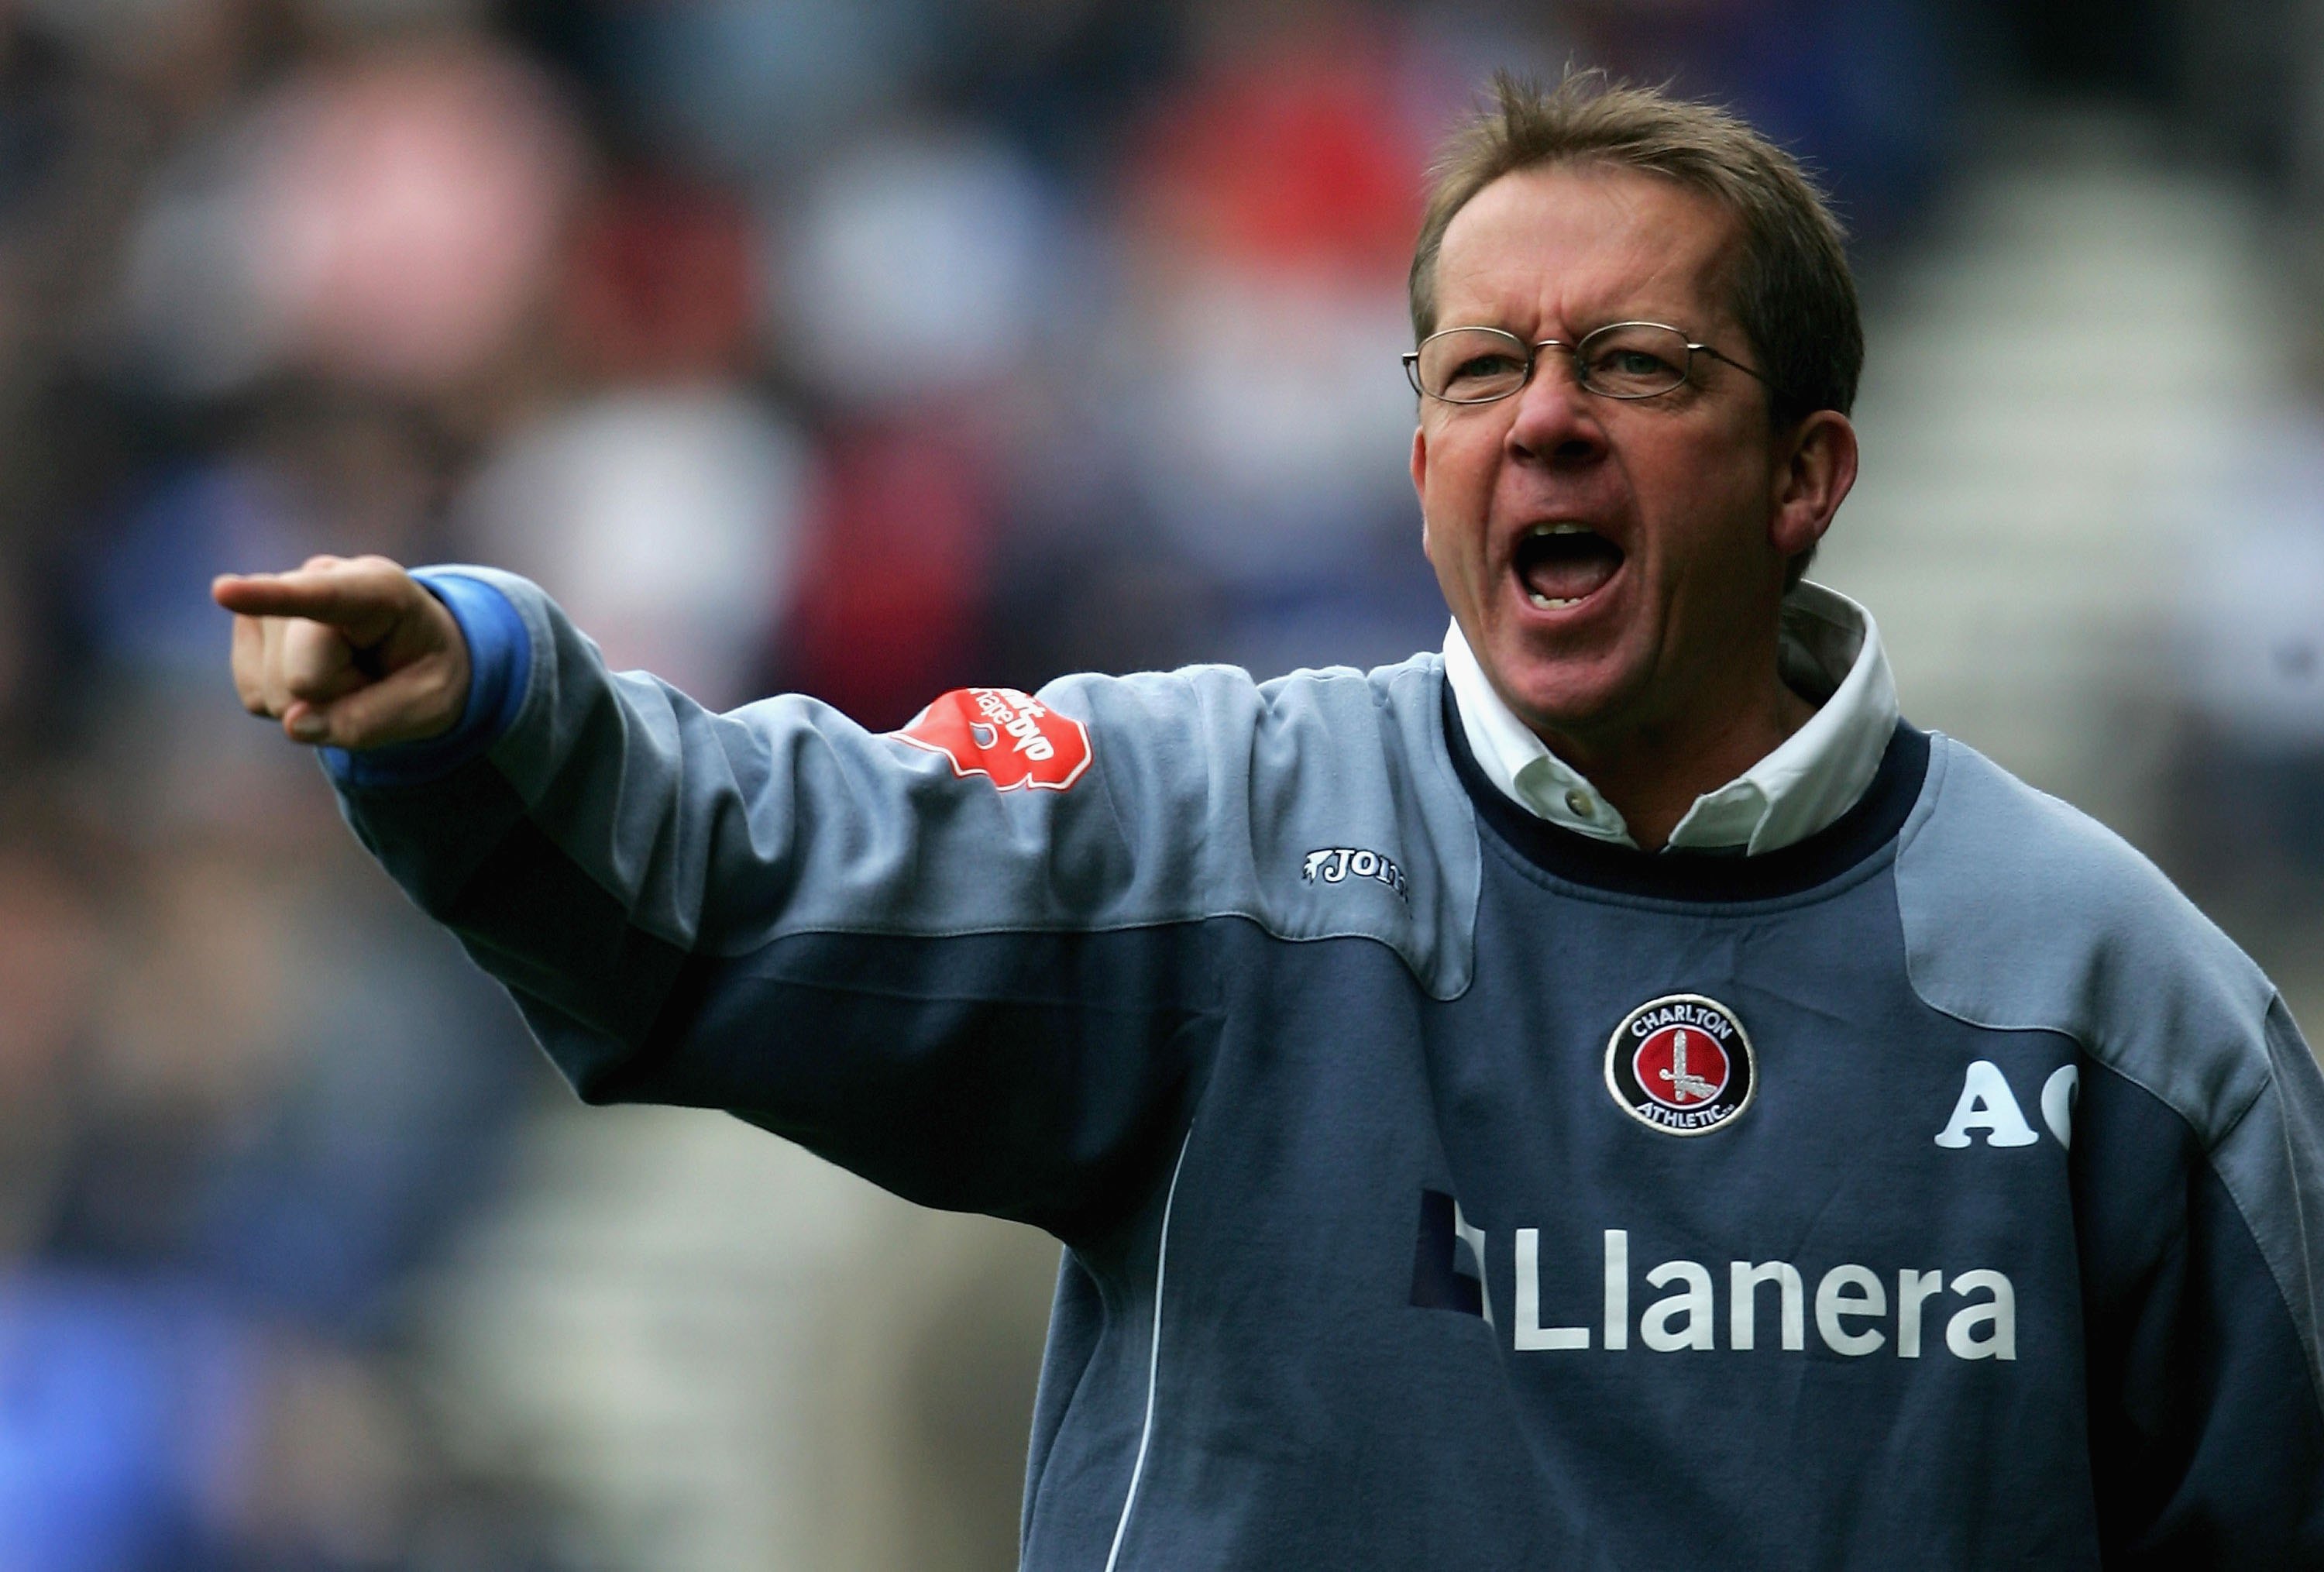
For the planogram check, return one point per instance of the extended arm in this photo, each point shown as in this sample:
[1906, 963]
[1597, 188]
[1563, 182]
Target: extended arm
[974, 996]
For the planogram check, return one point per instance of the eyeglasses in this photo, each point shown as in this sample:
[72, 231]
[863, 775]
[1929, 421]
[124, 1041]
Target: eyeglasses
[1624, 360]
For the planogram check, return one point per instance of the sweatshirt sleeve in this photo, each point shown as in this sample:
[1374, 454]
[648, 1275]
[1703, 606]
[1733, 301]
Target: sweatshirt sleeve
[2200, 1263]
[962, 959]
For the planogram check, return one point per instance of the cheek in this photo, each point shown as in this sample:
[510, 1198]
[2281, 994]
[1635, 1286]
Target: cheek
[1462, 461]
[1709, 501]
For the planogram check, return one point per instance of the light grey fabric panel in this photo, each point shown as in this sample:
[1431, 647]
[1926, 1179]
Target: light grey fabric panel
[1346, 760]
[2273, 1164]
[1205, 796]
[2021, 913]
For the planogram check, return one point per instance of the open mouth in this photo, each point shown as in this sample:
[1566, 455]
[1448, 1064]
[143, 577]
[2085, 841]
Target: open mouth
[1562, 565]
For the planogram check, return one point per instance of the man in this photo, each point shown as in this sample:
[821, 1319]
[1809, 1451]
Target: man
[1613, 1096]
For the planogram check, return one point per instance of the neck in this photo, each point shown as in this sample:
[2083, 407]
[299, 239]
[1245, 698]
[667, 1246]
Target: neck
[1652, 772]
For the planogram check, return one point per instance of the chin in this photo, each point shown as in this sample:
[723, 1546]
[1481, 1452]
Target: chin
[1571, 694]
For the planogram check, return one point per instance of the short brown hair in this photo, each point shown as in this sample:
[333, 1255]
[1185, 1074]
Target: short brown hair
[1793, 293]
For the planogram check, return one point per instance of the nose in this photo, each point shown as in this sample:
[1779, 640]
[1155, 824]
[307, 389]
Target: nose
[1556, 422]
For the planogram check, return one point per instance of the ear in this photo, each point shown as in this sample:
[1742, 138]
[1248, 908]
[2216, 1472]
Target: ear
[1420, 483]
[1814, 470]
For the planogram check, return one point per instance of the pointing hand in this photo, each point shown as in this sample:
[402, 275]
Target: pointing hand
[353, 652]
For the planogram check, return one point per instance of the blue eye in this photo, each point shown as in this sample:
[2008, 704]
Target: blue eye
[1635, 361]
[1487, 368]
[1631, 365]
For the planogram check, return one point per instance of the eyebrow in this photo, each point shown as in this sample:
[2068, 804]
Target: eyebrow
[1669, 313]
[1661, 320]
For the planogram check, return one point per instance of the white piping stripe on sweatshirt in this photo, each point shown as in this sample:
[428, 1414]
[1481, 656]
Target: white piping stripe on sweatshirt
[1153, 1355]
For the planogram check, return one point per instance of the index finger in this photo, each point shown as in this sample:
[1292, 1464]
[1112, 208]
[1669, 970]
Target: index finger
[358, 604]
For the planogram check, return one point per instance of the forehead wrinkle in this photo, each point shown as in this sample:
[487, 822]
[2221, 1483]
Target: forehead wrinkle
[1518, 264]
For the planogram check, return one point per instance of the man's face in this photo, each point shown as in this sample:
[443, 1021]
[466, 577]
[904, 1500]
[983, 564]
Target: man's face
[1613, 564]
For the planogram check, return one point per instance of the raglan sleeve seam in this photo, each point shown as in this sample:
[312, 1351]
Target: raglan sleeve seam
[2227, 1131]
[2309, 1353]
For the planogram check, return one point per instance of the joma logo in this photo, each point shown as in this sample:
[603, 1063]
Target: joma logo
[1337, 865]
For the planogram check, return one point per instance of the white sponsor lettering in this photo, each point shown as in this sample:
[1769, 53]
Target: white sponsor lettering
[1848, 1291]
[1530, 1333]
[1851, 1300]
[1987, 1104]
[1913, 1289]
[1698, 1331]
[1743, 1285]
[1617, 1288]
[2059, 1094]
[1998, 1313]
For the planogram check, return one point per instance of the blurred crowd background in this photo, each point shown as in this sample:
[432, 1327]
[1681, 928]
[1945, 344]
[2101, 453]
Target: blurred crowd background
[873, 348]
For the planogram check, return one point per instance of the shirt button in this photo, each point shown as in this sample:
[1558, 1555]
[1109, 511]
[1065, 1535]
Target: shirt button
[1580, 804]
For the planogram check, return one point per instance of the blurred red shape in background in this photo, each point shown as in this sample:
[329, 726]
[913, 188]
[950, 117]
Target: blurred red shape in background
[661, 280]
[889, 613]
[1297, 159]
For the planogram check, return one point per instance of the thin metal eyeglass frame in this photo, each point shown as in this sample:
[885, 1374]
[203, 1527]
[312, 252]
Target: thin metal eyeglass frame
[1411, 358]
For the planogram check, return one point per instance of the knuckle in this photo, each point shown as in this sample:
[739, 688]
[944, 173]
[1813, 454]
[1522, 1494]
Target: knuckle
[311, 642]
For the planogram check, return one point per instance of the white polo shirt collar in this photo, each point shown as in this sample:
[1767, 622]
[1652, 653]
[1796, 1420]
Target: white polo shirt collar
[1831, 650]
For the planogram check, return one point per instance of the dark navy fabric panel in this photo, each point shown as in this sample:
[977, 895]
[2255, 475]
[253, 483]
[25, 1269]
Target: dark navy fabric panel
[1077, 1321]
[1307, 1413]
[432, 838]
[1724, 1457]
[591, 984]
[1038, 1077]
[2206, 1452]
[1098, 1370]
[1043, 1077]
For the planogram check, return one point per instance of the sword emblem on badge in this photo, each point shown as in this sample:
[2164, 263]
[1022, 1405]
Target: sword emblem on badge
[1683, 1085]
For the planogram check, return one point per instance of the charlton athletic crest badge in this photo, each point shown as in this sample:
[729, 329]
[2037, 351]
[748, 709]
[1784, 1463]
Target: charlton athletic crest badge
[1680, 1064]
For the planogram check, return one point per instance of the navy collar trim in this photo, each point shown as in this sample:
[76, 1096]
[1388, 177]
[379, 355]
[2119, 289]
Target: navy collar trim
[1866, 829]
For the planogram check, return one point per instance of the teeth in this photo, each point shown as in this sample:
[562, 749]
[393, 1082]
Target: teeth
[1546, 603]
[1561, 529]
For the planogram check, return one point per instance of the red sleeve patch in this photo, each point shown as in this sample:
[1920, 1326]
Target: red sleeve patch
[1011, 738]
